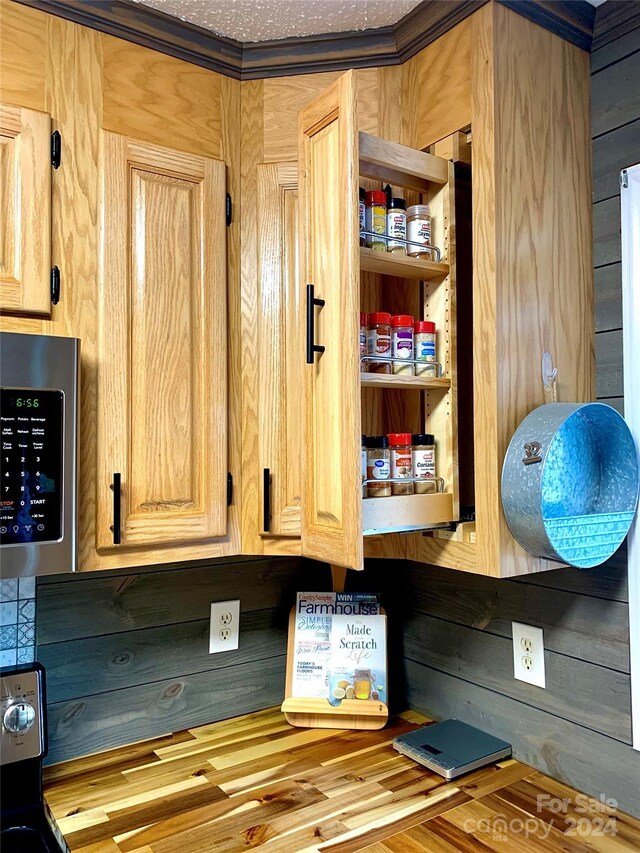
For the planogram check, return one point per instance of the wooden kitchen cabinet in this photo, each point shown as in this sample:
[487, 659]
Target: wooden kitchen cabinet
[162, 381]
[530, 292]
[25, 211]
[341, 401]
[532, 288]
[280, 353]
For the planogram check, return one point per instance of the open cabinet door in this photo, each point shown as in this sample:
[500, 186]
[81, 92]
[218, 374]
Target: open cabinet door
[329, 246]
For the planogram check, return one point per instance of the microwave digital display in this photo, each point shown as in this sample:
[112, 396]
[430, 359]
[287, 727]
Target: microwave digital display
[31, 465]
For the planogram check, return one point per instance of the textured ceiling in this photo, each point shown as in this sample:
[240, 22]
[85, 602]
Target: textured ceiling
[260, 20]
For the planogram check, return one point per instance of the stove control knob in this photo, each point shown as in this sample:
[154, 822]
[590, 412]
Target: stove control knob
[19, 717]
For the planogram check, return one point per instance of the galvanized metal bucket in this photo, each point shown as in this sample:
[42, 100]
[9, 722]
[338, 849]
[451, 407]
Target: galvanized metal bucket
[570, 482]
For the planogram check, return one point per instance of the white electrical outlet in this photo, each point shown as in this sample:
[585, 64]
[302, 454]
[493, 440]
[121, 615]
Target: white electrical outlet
[224, 630]
[528, 654]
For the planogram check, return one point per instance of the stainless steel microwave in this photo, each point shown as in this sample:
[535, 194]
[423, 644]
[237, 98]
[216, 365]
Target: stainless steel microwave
[39, 379]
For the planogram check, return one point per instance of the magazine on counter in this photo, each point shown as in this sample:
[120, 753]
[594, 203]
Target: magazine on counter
[358, 661]
[339, 647]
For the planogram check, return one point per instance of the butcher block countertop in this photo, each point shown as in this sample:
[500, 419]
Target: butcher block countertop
[256, 782]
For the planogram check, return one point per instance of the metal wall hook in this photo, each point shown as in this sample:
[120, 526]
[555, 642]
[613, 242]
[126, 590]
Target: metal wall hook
[549, 376]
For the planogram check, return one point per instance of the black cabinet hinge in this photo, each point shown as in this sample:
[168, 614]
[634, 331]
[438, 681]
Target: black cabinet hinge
[56, 149]
[55, 285]
[229, 489]
[228, 209]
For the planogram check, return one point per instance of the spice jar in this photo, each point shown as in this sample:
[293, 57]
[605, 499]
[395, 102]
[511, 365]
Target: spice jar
[397, 225]
[401, 464]
[361, 217]
[363, 340]
[423, 463]
[425, 348]
[378, 466]
[402, 344]
[379, 341]
[419, 230]
[376, 219]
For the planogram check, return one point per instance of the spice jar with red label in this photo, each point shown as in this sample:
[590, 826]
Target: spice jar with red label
[425, 348]
[379, 341]
[402, 344]
[401, 464]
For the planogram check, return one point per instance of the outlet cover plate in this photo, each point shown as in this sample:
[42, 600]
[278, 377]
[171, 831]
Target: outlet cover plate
[528, 654]
[224, 626]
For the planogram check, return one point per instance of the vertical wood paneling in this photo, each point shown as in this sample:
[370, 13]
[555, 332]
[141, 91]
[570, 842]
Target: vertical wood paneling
[252, 142]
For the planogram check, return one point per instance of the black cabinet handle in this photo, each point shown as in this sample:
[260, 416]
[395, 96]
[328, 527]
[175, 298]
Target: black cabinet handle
[312, 346]
[115, 488]
[266, 500]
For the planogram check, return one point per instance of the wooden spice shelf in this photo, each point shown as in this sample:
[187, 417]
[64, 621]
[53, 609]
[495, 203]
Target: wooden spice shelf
[380, 380]
[399, 165]
[401, 266]
[399, 513]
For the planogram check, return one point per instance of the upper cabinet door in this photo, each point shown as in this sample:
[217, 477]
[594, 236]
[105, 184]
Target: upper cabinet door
[25, 211]
[280, 355]
[329, 255]
[162, 379]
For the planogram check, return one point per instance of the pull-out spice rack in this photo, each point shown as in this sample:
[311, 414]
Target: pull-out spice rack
[399, 284]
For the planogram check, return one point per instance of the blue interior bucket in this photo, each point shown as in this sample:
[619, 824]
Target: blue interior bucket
[589, 486]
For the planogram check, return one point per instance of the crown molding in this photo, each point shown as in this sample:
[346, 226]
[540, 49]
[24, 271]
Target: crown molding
[143, 25]
[615, 19]
[572, 20]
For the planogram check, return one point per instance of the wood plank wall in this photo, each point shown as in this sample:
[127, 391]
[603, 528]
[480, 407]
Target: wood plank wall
[127, 652]
[454, 649]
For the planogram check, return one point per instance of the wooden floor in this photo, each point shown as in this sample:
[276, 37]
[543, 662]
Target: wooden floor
[255, 782]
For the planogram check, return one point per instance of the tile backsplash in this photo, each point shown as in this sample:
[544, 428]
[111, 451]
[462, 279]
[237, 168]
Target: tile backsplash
[17, 620]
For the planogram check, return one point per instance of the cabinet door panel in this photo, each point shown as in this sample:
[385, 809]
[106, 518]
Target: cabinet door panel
[162, 379]
[280, 354]
[332, 504]
[25, 211]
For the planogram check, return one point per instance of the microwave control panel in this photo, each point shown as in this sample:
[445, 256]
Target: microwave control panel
[31, 474]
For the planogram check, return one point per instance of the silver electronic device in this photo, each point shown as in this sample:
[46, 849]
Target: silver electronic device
[39, 379]
[452, 748]
[21, 729]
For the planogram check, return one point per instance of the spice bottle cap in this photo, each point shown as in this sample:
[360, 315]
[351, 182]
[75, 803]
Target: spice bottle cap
[423, 438]
[402, 320]
[362, 194]
[419, 210]
[379, 317]
[397, 203]
[376, 197]
[376, 441]
[399, 439]
[424, 326]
